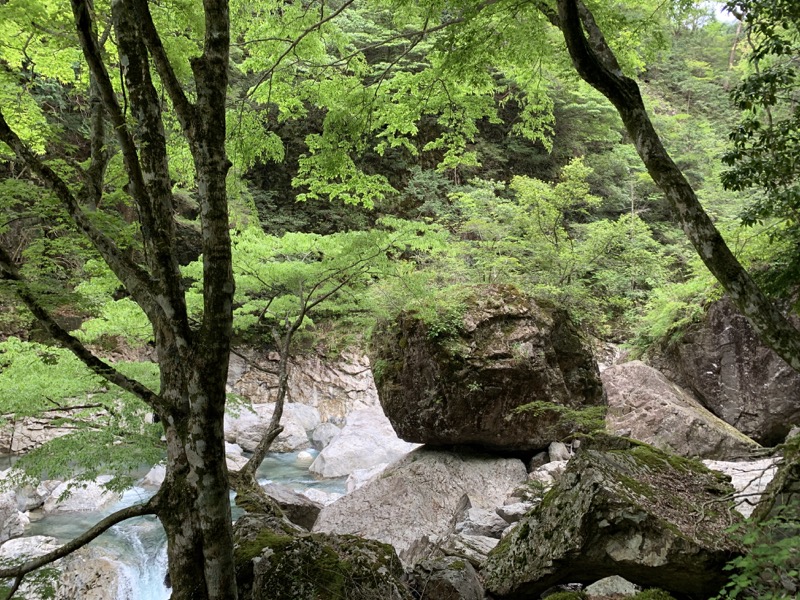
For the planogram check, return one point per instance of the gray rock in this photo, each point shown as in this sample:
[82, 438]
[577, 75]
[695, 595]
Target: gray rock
[155, 476]
[88, 575]
[548, 473]
[644, 405]
[334, 388]
[366, 440]
[81, 496]
[558, 451]
[324, 434]
[321, 497]
[12, 521]
[447, 578]
[621, 509]
[414, 504]
[748, 478]
[248, 425]
[234, 456]
[482, 521]
[361, 476]
[511, 513]
[472, 548]
[736, 377]
[611, 586]
[299, 509]
[539, 459]
[466, 388]
[20, 549]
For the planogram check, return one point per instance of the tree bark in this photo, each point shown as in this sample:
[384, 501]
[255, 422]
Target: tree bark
[596, 64]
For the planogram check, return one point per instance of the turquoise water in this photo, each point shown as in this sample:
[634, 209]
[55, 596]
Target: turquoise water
[140, 544]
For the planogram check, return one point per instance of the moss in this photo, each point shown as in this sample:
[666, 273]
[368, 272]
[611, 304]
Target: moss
[653, 594]
[248, 550]
[458, 565]
[567, 596]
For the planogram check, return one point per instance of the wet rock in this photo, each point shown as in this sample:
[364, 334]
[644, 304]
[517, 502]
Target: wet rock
[447, 578]
[657, 520]
[644, 405]
[416, 502]
[736, 377]
[468, 388]
[366, 440]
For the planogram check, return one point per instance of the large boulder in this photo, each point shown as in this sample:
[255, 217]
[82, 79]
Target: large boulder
[469, 387]
[733, 374]
[12, 521]
[366, 440]
[657, 520]
[646, 406]
[415, 503]
[276, 562]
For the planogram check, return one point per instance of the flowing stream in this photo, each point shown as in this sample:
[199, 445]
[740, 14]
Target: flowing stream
[139, 544]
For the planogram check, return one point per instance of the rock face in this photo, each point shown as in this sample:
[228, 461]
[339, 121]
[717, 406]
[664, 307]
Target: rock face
[644, 405]
[737, 378]
[334, 387]
[28, 433]
[366, 440]
[448, 578]
[415, 503]
[634, 512]
[464, 388]
[274, 562]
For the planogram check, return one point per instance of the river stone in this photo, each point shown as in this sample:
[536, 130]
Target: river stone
[82, 496]
[655, 519]
[646, 406]
[247, 426]
[298, 508]
[748, 478]
[733, 374]
[465, 387]
[88, 575]
[324, 434]
[610, 586]
[366, 440]
[446, 578]
[12, 521]
[414, 503]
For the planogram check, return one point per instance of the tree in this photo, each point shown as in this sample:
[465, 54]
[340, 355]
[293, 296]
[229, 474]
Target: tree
[597, 65]
[193, 502]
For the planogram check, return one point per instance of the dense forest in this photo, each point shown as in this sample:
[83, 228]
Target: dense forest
[177, 180]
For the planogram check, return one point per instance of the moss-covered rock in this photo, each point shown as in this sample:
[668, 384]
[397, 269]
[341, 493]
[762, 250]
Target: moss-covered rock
[274, 561]
[655, 519]
[447, 578]
[516, 375]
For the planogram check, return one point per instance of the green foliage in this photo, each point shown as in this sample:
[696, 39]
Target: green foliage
[592, 418]
[567, 596]
[111, 434]
[770, 566]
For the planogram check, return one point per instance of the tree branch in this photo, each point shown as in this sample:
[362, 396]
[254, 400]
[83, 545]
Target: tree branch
[19, 571]
[9, 272]
[594, 62]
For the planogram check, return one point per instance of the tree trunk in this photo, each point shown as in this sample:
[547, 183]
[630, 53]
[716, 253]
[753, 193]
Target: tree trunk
[597, 65]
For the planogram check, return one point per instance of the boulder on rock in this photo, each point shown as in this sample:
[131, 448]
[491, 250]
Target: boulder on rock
[517, 376]
[416, 502]
[646, 406]
[657, 520]
[274, 562]
[733, 374]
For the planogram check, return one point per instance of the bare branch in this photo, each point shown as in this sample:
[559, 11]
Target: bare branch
[138, 510]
